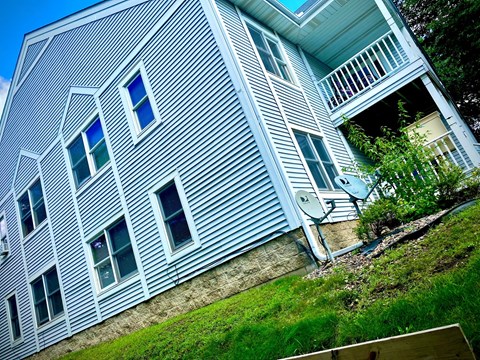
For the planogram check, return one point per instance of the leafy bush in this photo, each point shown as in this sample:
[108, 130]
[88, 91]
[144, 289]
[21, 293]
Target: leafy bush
[415, 181]
[383, 213]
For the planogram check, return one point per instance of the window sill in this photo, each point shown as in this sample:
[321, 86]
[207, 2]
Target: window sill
[140, 136]
[173, 256]
[115, 288]
[17, 342]
[288, 83]
[87, 184]
[53, 322]
[31, 234]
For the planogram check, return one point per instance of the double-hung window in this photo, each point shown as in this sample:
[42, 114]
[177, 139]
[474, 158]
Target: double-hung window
[318, 160]
[173, 215]
[140, 102]
[113, 257]
[13, 317]
[269, 52]
[47, 297]
[88, 152]
[3, 236]
[32, 208]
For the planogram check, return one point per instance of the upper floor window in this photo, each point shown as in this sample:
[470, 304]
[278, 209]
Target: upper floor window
[32, 208]
[113, 257]
[88, 152]
[318, 160]
[140, 102]
[3, 236]
[14, 319]
[269, 51]
[47, 297]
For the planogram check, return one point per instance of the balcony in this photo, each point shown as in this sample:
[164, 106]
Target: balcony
[444, 147]
[362, 72]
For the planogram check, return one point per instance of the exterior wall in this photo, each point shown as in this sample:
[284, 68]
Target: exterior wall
[283, 106]
[281, 256]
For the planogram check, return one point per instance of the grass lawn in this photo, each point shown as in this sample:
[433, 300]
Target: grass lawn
[422, 284]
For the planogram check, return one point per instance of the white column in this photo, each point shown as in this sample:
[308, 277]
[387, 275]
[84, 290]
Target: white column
[454, 120]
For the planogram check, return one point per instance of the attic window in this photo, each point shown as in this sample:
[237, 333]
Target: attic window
[32, 208]
[269, 51]
[3, 237]
[88, 152]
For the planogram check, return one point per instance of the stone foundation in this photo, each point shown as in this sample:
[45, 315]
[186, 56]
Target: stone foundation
[338, 235]
[281, 256]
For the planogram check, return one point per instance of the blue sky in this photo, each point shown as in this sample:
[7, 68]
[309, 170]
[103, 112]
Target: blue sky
[18, 17]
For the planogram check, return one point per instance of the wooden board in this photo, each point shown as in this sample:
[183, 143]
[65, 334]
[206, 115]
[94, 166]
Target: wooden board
[446, 342]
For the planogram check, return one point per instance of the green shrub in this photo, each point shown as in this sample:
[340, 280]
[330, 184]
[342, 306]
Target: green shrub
[415, 181]
[383, 213]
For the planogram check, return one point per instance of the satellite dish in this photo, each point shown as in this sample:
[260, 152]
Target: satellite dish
[353, 186]
[309, 204]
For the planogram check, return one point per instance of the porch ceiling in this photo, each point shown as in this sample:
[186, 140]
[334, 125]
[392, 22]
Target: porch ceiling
[331, 35]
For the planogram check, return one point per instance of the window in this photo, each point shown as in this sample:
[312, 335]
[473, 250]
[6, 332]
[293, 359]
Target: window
[88, 153]
[173, 216]
[113, 257]
[32, 208]
[140, 102]
[269, 52]
[319, 162]
[3, 236]
[14, 318]
[47, 298]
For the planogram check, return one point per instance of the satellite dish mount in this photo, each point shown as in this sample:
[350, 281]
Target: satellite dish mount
[313, 209]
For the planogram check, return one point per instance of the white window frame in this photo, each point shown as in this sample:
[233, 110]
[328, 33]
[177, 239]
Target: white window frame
[138, 133]
[13, 341]
[52, 319]
[36, 225]
[170, 253]
[88, 152]
[268, 35]
[309, 134]
[104, 231]
[5, 238]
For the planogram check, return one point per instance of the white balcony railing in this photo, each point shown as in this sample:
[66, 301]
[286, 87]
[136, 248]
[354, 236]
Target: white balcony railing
[362, 71]
[444, 147]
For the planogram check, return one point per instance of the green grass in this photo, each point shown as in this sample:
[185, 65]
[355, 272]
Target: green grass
[417, 286]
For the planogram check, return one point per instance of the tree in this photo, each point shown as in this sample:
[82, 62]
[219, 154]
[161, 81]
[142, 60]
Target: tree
[449, 31]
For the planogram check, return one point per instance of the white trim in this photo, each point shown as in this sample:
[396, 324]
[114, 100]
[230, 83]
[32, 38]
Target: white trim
[74, 90]
[27, 154]
[138, 134]
[120, 69]
[13, 342]
[80, 228]
[126, 212]
[32, 65]
[171, 254]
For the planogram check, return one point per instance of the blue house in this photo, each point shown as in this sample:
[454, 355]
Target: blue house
[149, 147]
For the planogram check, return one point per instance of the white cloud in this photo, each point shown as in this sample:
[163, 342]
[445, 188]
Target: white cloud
[4, 85]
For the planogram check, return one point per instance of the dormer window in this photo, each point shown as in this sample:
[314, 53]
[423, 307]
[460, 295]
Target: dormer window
[3, 237]
[32, 208]
[269, 51]
[88, 152]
